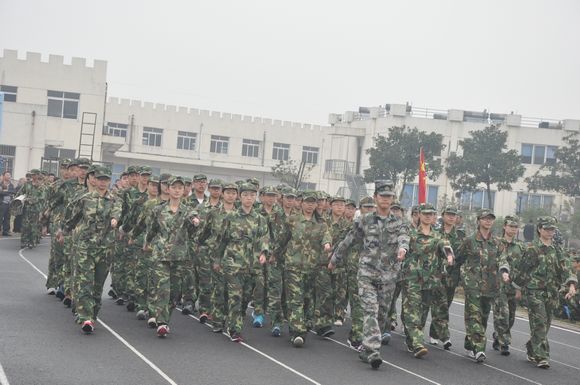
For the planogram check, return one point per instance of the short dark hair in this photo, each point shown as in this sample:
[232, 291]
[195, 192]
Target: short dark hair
[6, 172]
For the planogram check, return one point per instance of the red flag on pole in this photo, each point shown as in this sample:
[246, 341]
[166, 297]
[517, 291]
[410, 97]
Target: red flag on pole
[422, 178]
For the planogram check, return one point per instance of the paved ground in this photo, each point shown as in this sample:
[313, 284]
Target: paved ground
[40, 344]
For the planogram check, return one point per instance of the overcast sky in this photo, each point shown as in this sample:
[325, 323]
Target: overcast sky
[301, 60]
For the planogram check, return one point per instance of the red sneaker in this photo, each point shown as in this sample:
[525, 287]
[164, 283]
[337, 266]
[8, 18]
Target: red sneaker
[162, 330]
[204, 317]
[88, 326]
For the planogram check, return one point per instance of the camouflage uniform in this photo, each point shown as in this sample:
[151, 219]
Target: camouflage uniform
[169, 236]
[242, 236]
[31, 213]
[91, 219]
[541, 271]
[307, 280]
[480, 264]
[423, 272]
[378, 267]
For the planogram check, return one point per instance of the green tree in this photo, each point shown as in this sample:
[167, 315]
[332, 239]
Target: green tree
[485, 161]
[396, 156]
[563, 175]
[291, 172]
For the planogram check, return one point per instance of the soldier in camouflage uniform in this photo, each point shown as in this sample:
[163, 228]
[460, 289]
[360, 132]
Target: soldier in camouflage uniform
[350, 210]
[91, 219]
[172, 226]
[391, 322]
[31, 210]
[210, 235]
[480, 262]
[245, 233]
[422, 273]
[304, 242]
[385, 242]
[504, 310]
[338, 227]
[541, 270]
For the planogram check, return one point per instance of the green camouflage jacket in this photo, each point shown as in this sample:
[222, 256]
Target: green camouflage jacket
[512, 253]
[34, 195]
[127, 207]
[89, 216]
[426, 261]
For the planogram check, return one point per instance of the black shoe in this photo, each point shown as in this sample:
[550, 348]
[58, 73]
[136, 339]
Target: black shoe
[112, 293]
[120, 301]
[59, 294]
[187, 309]
[325, 331]
[131, 306]
[67, 302]
[495, 344]
[505, 350]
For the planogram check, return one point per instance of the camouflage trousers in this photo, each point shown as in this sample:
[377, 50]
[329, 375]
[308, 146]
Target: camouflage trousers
[144, 283]
[170, 279]
[300, 300]
[55, 261]
[91, 268]
[541, 307]
[324, 302]
[276, 293]
[199, 280]
[219, 298]
[31, 228]
[376, 295]
[392, 315]
[339, 293]
[504, 314]
[116, 263]
[257, 293]
[356, 311]
[451, 283]
[476, 314]
[416, 305]
[125, 270]
[239, 286]
[66, 273]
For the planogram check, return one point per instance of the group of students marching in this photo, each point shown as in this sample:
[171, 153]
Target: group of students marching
[299, 258]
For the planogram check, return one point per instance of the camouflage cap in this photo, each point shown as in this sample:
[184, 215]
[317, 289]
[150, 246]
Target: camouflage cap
[384, 188]
[426, 208]
[34, 171]
[164, 178]
[83, 162]
[248, 187]
[175, 179]
[186, 179]
[133, 170]
[268, 190]
[396, 205]
[484, 213]
[547, 223]
[367, 202]
[199, 177]
[310, 195]
[145, 170]
[449, 210]
[337, 198]
[153, 179]
[92, 168]
[44, 172]
[64, 162]
[230, 186]
[216, 183]
[511, 220]
[73, 162]
[415, 209]
[350, 202]
[254, 181]
[102, 172]
[321, 195]
[288, 191]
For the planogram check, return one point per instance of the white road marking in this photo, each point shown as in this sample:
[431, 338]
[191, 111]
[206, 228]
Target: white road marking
[266, 356]
[115, 334]
[3, 378]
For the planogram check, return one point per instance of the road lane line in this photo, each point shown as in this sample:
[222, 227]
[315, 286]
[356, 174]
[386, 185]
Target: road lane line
[114, 333]
[266, 356]
[3, 378]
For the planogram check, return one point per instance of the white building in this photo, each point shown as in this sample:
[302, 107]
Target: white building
[47, 104]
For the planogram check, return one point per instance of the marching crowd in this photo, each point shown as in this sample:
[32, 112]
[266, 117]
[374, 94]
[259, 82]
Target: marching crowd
[298, 258]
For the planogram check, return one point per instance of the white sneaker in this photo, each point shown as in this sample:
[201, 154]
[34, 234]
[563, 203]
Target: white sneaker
[480, 356]
[141, 315]
[433, 341]
[50, 291]
[470, 353]
[338, 323]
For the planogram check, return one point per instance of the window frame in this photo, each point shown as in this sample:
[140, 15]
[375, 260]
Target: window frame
[310, 154]
[281, 151]
[64, 98]
[219, 144]
[9, 91]
[152, 132]
[186, 140]
[251, 148]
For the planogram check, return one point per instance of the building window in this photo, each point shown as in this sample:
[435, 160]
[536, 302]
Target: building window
[152, 136]
[281, 151]
[219, 144]
[63, 104]
[9, 93]
[411, 195]
[338, 169]
[7, 155]
[310, 154]
[53, 156]
[473, 200]
[116, 129]
[250, 148]
[307, 186]
[186, 140]
[538, 154]
[526, 201]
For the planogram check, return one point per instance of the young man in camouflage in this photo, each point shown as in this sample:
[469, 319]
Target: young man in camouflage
[305, 243]
[31, 211]
[91, 220]
[422, 280]
[541, 270]
[173, 224]
[385, 243]
[481, 263]
[244, 234]
[504, 310]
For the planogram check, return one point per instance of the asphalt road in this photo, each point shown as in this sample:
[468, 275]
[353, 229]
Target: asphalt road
[41, 344]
